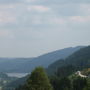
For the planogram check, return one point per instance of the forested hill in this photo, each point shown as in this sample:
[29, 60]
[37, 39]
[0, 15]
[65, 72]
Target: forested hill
[64, 68]
[79, 60]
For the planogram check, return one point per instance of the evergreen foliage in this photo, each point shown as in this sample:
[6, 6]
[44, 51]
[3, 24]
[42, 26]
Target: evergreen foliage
[38, 80]
[80, 60]
[79, 83]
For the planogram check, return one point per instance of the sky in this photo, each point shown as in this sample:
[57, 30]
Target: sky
[29, 28]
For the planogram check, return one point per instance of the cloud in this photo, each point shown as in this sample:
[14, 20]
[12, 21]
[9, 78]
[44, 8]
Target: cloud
[67, 1]
[38, 8]
[81, 19]
[7, 13]
[56, 20]
[3, 33]
[7, 17]
[10, 1]
[9, 6]
[35, 26]
[85, 9]
[85, 6]
[6, 34]
[67, 20]
[5, 6]
[31, 0]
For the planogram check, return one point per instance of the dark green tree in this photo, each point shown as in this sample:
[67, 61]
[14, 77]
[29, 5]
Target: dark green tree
[88, 84]
[38, 80]
[55, 81]
[79, 83]
[61, 83]
[65, 84]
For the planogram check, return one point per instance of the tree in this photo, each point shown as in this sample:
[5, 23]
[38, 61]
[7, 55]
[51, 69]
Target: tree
[65, 84]
[79, 83]
[38, 80]
[88, 84]
[61, 83]
[55, 81]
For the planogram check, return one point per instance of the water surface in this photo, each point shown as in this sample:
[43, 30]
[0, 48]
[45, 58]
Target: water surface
[18, 75]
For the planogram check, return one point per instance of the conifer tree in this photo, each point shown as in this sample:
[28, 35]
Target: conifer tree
[38, 80]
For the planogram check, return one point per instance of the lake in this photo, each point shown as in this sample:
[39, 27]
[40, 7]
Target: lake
[18, 75]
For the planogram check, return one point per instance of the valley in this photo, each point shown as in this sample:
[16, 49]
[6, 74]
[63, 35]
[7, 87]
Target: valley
[72, 67]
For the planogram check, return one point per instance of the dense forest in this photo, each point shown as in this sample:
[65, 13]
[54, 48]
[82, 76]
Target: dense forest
[72, 73]
[64, 74]
[78, 61]
[38, 80]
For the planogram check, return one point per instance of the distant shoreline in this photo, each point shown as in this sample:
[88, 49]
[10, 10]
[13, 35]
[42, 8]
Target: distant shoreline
[18, 75]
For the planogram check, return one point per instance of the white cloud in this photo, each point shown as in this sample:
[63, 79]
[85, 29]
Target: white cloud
[65, 20]
[85, 9]
[59, 21]
[55, 20]
[38, 8]
[30, 21]
[7, 14]
[85, 6]
[31, 0]
[7, 17]
[81, 19]
[7, 6]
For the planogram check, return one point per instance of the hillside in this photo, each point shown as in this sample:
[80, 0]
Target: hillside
[15, 83]
[5, 79]
[86, 72]
[12, 64]
[25, 65]
[64, 67]
[80, 60]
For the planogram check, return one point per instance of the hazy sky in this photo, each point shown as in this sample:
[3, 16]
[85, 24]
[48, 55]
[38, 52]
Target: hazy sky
[32, 27]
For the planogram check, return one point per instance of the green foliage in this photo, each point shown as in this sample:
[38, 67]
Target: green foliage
[80, 60]
[88, 84]
[16, 83]
[61, 83]
[76, 83]
[65, 71]
[65, 84]
[79, 83]
[38, 80]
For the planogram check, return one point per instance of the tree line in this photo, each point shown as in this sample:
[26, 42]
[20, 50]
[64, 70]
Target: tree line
[39, 80]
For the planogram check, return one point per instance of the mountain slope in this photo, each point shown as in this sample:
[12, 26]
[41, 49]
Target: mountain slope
[26, 65]
[51, 57]
[79, 59]
[47, 59]
[12, 64]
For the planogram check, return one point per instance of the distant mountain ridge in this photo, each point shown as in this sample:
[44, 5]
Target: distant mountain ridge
[26, 65]
[51, 57]
[79, 59]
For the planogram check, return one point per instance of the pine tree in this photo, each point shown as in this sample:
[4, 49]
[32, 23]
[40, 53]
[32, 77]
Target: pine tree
[38, 80]
[79, 83]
